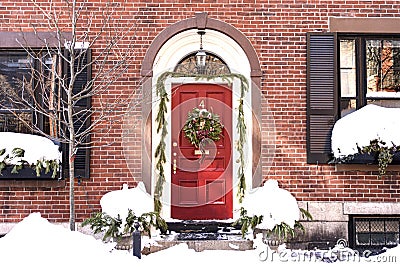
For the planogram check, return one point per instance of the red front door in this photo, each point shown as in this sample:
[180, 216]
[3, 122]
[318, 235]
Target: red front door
[201, 181]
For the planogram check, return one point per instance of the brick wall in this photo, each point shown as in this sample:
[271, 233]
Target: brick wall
[277, 30]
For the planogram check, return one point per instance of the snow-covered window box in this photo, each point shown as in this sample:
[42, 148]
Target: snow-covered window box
[26, 156]
[368, 136]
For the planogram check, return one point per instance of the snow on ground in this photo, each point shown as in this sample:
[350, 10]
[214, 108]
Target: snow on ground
[366, 124]
[36, 147]
[36, 242]
[263, 201]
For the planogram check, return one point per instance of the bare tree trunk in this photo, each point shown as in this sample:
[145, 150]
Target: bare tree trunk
[72, 149]
[71, 188]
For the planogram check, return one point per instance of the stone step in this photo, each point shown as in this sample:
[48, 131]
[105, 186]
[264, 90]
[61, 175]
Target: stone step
[196, 241]
[232, 242]
[200, 226]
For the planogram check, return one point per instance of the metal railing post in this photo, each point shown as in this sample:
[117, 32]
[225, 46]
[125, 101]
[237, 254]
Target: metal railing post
[137, 241]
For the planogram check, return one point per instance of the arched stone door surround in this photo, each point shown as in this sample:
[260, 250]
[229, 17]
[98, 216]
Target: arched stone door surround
[201, 21]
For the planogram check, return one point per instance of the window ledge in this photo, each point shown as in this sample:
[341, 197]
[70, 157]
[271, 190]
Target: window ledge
[365, 162]
[19, 183]
[26, 177]
[363, 167]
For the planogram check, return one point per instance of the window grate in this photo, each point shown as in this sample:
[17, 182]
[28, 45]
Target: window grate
[374, 233]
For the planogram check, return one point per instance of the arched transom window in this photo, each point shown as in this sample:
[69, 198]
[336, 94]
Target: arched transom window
[214, 65]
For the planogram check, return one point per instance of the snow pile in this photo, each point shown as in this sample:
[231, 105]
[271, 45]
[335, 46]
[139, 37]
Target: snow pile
[366, 124]
[120, 201]
[36, 147]
[276, 205]
[36, 242]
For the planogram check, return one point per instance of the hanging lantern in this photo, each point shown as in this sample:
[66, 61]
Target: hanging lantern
[201, 54]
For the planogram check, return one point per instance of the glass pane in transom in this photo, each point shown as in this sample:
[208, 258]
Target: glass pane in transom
[213, 66]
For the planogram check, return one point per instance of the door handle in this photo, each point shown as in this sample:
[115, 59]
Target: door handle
[174, 166]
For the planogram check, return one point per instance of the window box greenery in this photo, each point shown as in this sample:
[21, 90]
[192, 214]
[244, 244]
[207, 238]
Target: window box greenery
[27, 173]
[376, 153]
[12, 166]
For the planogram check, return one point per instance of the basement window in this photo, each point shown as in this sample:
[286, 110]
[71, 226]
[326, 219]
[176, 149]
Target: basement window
[373, 233]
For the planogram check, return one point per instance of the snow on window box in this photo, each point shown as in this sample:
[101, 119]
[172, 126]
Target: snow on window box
[28, 156]
[369, 126]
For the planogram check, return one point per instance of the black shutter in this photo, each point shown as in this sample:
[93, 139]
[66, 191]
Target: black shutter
[322, 95]
[82, 122]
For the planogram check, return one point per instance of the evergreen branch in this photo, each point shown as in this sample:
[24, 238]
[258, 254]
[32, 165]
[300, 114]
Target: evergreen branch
[16, 157]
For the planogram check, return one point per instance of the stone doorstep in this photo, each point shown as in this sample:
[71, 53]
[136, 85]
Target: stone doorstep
[232, 243]
[198, 235]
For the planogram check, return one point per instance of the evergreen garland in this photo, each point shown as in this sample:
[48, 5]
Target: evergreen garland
[162, 127]
[241, 128]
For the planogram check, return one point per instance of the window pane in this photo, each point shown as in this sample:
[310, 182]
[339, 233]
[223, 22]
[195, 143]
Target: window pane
[10, 123]
[347, 68]
[377, 226]
[383, 68]
[347, 106]
[15, 79]
[392, 239]
[377, 239]
[363, 239]
[392, 226]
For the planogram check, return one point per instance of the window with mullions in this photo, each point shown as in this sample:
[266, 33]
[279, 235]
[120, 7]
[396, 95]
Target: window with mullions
[19, 90]
[346, 72]
[373, 233]
[369, 72]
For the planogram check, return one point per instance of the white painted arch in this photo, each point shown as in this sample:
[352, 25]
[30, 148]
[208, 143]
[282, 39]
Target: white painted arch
[169, 55]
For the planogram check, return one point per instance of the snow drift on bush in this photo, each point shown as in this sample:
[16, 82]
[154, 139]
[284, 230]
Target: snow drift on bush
[276, 205]
[366, 124]
[120, 201]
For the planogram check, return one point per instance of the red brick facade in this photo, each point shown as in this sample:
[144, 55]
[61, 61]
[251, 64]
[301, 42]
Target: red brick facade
[277, 31]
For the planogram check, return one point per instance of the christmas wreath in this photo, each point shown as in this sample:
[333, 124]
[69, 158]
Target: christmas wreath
[202, 126]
